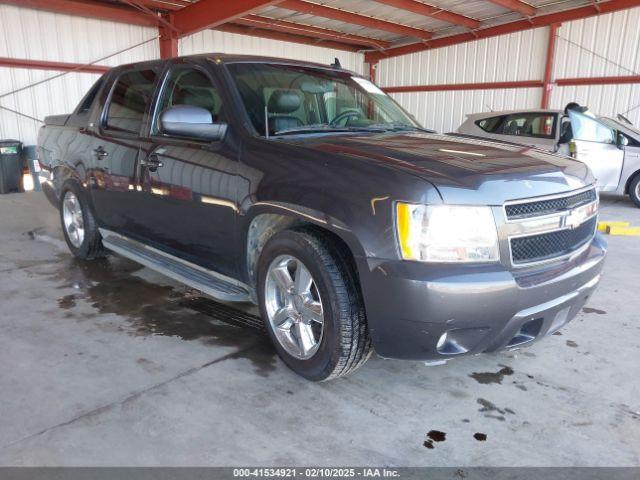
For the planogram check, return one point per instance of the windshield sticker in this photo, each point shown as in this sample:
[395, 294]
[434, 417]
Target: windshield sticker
[367, 85]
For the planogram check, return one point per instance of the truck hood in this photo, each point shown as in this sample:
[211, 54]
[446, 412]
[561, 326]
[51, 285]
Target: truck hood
[464, 171]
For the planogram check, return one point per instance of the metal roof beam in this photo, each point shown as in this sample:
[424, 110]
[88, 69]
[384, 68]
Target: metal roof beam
[47, 65]
[286, 37]
[517, 6]
[353, 18]
[433, 12]
[88, 9]
[267, 23]
[212, 13]
[169, 5]
[517, 26]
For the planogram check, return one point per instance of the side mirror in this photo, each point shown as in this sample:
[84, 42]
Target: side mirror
[621, 141]
[191, 122]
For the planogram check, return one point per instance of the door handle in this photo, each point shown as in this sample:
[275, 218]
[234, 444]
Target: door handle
[152, 162]
[100, 152]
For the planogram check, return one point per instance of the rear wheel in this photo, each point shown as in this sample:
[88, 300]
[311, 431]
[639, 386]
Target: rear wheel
[79, 225]
[311, 304]
[634, 190]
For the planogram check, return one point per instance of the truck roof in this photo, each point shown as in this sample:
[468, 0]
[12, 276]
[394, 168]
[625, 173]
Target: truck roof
[235, 58]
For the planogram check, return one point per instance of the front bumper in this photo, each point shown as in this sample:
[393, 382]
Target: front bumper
[435, 312]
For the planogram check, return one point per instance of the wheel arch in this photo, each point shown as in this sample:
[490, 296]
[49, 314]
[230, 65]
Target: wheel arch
[631, 178]
[263, 222]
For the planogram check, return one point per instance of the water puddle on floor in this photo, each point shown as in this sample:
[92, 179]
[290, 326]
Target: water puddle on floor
[111, 286]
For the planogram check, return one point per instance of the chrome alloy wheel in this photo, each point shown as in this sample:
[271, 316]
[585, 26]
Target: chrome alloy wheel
[294, 307]
[638, 190]
[73, 219]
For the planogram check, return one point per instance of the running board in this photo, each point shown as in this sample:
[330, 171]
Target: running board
[207, 281]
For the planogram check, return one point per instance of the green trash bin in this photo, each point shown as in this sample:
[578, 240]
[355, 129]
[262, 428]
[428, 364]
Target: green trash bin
[10, 166]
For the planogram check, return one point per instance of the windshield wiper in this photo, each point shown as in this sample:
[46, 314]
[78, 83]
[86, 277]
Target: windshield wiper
[397, 127]
[376, 127]
[319, 127]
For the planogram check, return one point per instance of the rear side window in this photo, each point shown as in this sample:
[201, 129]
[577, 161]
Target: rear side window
[491, 125]
[87, 100]
[130, 99]
[537, 125]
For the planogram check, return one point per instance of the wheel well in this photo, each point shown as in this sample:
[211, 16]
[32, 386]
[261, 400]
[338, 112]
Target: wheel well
[631, 179]
[266, 225]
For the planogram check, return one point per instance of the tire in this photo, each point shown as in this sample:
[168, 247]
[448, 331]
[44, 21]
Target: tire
[344, 343]
[634, 190]
[89, 246]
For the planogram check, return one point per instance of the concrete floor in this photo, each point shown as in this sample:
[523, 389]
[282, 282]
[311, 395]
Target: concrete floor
[108, 363]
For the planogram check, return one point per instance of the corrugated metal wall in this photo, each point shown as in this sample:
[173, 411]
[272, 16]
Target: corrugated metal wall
[39, 35]
[613, 37]
[614, 40]
[520, 56]
[473, 62]
[223, 42]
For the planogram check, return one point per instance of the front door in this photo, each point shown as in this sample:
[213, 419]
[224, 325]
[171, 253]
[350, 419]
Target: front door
[115, 147]
[595, 145]
[187, 204]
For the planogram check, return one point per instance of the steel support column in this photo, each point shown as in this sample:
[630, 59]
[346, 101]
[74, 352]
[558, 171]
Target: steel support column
[547, 85]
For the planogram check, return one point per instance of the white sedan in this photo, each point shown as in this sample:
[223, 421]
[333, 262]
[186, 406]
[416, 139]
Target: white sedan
[610, 148]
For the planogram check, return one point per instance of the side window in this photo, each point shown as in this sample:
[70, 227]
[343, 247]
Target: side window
[188, 86]
[537, 125]
[491, 125]
[87, 100]
[589, 129]
[129, 100]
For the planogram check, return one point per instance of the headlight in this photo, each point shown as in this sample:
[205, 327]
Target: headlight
[446, 233]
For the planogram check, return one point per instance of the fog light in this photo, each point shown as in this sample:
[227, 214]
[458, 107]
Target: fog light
[441, 341]
[460, 340]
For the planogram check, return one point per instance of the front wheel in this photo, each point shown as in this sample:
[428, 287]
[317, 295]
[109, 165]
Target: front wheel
[634, 190]
[311, 304]
[79, 225]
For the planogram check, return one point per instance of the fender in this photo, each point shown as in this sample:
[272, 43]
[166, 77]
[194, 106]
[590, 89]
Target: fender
[266, 218]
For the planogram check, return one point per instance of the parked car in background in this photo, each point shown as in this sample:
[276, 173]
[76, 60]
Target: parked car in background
[630, 173]
[610, 148]
[307, 190]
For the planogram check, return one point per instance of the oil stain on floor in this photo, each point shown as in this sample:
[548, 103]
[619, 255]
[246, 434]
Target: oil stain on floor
[110, 286]
[434, 436]
[492, 377]
[492, 411]
[593, 310]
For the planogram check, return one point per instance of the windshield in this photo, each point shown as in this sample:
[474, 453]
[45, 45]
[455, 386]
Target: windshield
[617, 124]
[295, 99]
[587, 128]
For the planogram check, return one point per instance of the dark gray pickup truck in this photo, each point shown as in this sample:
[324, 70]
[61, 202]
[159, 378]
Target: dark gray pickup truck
[305, 189]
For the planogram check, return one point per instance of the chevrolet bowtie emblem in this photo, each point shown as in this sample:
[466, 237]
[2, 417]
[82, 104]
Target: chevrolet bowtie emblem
[575, 218]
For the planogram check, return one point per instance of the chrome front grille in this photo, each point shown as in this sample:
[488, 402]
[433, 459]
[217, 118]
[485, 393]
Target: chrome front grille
[549, 206]
[549, 228]
[542, 247]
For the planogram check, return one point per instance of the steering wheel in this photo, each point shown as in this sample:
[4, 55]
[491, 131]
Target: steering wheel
[345, 115]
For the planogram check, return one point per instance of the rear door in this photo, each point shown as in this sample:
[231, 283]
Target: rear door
[187, 203]
[116, 145]
[595, 145]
